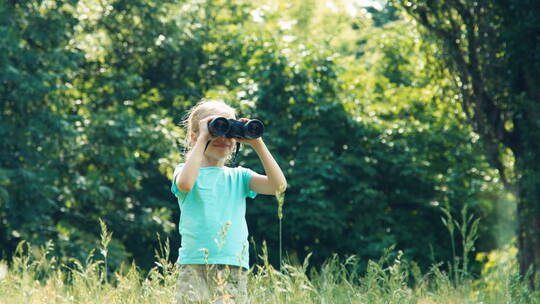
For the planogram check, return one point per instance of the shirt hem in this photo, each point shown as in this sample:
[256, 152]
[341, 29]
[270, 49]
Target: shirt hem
[230, 262]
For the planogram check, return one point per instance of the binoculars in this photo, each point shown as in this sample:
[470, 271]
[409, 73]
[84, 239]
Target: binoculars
[232, 128]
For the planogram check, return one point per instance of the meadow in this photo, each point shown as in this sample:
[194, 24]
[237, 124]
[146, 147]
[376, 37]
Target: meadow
[34, 276]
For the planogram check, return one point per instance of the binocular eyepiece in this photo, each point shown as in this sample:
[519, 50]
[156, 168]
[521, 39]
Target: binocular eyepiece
[232, 128]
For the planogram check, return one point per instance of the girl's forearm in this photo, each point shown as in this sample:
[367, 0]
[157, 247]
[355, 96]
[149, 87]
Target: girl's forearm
[186, 179]
[273, 172]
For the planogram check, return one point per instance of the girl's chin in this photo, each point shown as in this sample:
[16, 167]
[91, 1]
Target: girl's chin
[219, 156]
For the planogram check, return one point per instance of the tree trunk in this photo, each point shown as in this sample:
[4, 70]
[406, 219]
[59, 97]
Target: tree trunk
[493, 47]
[528, 217]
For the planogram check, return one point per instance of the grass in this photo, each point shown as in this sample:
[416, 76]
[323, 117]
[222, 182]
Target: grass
[36, 277]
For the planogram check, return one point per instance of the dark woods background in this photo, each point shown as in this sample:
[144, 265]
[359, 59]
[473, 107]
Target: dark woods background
[366, 112]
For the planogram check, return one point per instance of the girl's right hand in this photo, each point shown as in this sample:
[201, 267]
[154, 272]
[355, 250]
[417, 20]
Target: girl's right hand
[203, 127]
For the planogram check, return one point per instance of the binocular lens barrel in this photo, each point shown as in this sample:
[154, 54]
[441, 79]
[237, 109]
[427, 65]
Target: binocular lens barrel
[219, 126]
[253, 129]
[231, 128]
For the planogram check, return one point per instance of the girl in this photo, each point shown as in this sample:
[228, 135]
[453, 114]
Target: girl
[213, 256]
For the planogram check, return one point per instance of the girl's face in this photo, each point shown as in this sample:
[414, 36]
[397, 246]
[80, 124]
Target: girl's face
[219, 148]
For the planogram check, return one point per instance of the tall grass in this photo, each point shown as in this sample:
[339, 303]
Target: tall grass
[35, 276]
[468, 230]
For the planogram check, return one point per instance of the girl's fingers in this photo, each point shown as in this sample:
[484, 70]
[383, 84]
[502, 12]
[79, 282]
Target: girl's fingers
[207, 119]
[204, 122]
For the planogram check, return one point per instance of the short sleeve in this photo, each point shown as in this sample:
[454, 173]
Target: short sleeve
[246, 178]
[174, 188]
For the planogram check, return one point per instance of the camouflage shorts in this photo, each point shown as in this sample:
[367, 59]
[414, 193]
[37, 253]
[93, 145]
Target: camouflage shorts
[211, 284]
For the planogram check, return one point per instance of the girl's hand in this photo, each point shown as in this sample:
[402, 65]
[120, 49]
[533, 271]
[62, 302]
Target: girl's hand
[204, 134]
[246, 141]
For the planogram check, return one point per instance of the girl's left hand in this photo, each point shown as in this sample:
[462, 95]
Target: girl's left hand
[247, 141]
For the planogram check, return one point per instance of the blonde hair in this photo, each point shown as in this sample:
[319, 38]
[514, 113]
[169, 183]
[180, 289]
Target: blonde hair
[202, 109]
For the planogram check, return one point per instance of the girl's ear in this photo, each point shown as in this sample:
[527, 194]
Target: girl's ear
[193, 137]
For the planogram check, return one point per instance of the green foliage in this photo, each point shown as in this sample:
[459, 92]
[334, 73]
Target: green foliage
[491, 48]
[383, 151]
[62, 165]
[35, 133]
[368, 132]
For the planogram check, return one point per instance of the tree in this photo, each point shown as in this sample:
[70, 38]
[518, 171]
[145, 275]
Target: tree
[37, 65]
[373, 179]
[492, 47]
[91, 89]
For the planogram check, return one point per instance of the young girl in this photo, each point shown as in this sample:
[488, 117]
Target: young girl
[214, 253]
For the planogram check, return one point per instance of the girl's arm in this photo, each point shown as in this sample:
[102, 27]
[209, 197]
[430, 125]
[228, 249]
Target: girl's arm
[274, 181]
[187, 177]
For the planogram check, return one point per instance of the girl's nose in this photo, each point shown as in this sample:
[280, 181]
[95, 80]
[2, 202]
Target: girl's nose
[221, 139]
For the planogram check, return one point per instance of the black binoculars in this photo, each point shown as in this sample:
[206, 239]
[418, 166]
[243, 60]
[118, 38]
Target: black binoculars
[232, 128]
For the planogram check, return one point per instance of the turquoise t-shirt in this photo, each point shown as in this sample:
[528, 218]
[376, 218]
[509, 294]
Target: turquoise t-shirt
[212, 217]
